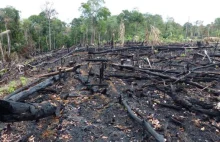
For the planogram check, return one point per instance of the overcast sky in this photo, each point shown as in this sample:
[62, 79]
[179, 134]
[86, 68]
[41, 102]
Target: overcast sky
[180, 10]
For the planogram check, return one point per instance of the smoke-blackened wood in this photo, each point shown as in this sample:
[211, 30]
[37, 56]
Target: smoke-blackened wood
[21, 89]
[172, 78]
[26, 93]
[73, 69]
[15, 111]
[144, 123]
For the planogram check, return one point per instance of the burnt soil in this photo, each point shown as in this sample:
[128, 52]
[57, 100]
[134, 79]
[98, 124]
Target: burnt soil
[96, 114]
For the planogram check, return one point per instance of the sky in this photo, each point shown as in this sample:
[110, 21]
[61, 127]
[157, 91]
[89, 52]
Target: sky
[181, 10]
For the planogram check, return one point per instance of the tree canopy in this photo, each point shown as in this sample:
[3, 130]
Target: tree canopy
[96, 25]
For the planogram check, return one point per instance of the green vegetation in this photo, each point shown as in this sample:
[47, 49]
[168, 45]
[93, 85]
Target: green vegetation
[45, 32]
[12, 87]
[183, 55]
[3, 71]
[23, 81]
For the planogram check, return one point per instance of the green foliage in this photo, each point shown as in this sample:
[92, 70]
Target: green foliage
[23, 81]
[3, 71]
[183, 55]
[96, 24]
[12, 86]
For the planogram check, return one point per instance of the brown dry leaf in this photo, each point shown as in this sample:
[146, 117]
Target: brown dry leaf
[156, 123]
[150, 116]
[197, 122]
[48, 133]
[55, 120]
[120, 127]
[181, 129]
[65, 136]
[66, 101]
[83, 72]
[112, 86]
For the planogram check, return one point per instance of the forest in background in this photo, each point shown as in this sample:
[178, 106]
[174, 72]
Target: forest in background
[95, 26]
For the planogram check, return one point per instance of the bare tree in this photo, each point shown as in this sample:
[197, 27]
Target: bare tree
[1, 34]
[50, 12]
[122, 32]
[3, 58]
[6, 21]
[199, 23]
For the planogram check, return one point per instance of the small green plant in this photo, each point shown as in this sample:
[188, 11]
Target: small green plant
[48, 69]
[2, 91]
[23, 81]
[183, 55]
[3, 71]
[11, 87]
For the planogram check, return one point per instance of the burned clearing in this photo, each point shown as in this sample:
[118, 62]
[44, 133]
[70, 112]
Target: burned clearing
[132, 93]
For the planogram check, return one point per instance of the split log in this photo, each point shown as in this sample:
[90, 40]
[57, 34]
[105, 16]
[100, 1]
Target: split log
[144, 123]
[15, 111]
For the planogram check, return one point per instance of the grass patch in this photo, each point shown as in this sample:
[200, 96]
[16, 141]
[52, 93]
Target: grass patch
[23, 81]
[13, 85]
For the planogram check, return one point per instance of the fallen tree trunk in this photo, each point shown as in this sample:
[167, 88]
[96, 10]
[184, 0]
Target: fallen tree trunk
[21, 89]
[57, 72]
[26, 93]
[144, 123]
[164, 76]
[178, 99]
[159, 48]
[16, 111]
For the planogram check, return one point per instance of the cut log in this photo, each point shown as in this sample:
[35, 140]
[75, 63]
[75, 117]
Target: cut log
[16, 111]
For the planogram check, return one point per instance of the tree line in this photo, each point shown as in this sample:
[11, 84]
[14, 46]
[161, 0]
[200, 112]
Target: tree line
[96, 25]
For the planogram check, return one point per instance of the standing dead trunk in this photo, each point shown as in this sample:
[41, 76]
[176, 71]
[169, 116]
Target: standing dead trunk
[99, 38]
[2, 37]
[91, 32]
[39, 44]
[122, 32]
[3, 58]
[26, 36]
[8, 37]
[9, 42]
[54, 46]
[94, 35]
[50, 34]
